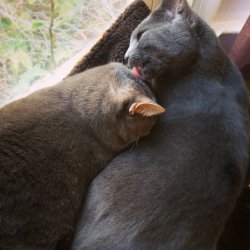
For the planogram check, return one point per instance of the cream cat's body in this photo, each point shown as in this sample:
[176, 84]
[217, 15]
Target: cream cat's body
[55, 141]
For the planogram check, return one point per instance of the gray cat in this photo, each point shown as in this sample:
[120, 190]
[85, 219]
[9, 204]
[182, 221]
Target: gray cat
[176, 189]
[55, 141]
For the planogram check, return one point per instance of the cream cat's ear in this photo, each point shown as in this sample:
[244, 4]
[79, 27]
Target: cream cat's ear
[146, 109]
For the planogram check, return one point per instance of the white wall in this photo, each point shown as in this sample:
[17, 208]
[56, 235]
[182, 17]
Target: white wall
[225, 16]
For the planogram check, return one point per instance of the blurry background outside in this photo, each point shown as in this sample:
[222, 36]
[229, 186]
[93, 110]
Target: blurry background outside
[36, 36]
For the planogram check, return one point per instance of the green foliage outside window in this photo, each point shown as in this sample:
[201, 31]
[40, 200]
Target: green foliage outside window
[38, 35]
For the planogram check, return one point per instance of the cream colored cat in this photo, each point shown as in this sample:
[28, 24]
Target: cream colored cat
[55, 141]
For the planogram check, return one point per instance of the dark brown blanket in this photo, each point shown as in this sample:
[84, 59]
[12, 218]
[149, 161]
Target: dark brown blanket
[115, 41]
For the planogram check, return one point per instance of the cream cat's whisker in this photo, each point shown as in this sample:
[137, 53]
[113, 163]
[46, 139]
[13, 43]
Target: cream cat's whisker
[135, 144]
[137, 140]
[127, 144]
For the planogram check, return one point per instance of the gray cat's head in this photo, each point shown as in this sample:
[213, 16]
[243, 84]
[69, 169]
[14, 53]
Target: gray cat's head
[165, 41]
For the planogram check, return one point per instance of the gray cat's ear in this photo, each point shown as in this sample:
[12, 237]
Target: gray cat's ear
[174, 5]
[146, 109]
[181, 7]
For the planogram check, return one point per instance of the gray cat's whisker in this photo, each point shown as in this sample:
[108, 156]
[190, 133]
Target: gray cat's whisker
[157, 60]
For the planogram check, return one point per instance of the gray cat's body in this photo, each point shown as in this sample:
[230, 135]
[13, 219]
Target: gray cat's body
[176, 189]
[54, 142]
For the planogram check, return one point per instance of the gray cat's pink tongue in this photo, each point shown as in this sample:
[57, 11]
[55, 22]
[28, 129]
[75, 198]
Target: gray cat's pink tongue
[136, 72]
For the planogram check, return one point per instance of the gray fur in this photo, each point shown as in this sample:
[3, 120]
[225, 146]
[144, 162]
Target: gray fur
[176, 189]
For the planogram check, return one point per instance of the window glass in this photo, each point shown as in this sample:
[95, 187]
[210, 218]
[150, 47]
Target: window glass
[41, 40]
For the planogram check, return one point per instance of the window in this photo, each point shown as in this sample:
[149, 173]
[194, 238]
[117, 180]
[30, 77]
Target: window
[41, 40]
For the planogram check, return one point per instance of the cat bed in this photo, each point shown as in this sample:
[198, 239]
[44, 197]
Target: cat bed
[111, 48]
[115, 41]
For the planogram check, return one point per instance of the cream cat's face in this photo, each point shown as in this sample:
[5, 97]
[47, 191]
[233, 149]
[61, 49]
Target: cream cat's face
[164, 41]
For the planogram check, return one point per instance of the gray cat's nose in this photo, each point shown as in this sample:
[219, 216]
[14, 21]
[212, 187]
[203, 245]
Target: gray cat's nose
[126, 56]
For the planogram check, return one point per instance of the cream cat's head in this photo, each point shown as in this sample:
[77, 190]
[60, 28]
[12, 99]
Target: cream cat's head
[165, 41]
[133, 105]
[120, 108]
[132, 109]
